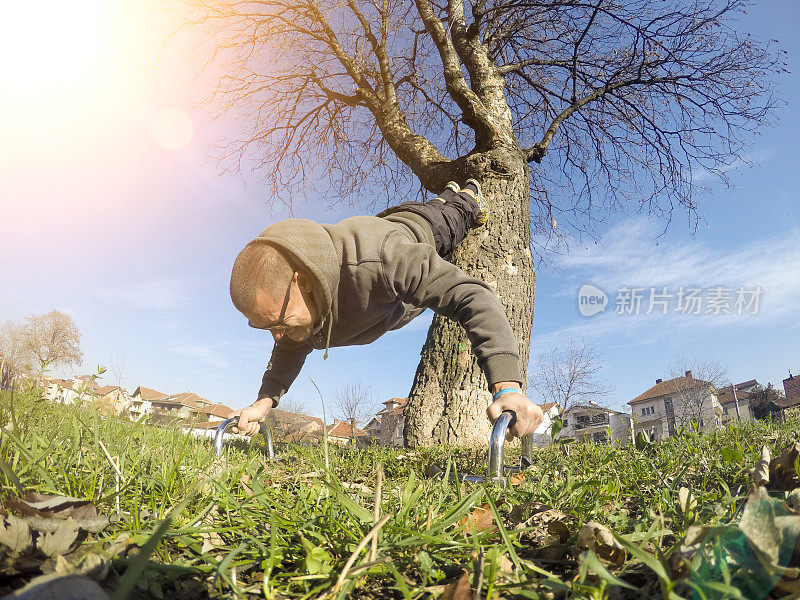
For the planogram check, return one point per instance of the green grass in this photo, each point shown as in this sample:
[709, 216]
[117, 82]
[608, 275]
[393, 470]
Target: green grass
[240, 526]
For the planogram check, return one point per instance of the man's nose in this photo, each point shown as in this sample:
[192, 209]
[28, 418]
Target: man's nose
[277, 336]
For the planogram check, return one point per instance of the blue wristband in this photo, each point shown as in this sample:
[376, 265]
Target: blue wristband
[505, 391]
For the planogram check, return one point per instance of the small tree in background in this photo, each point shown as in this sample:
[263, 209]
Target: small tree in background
[760, 398]
[354, 403]
[569, 374]
[14, 357]
[52, 340]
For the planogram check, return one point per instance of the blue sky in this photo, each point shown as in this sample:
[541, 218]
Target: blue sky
[99, 217]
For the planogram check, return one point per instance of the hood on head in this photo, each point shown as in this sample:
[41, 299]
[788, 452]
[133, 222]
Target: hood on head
[311, 250]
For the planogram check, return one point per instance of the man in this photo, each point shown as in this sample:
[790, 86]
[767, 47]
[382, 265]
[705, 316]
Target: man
[316, 286]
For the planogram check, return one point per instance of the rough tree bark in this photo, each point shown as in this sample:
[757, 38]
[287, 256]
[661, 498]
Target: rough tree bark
[448, 400]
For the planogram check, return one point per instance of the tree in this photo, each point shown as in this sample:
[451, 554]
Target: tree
[567, 375]
[563, 109]
[696, 382]
[14, 356]
[52, 340]
[354, 403]
[760, 398]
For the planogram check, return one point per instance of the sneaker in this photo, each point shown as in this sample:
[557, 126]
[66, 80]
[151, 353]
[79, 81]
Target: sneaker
[454, 189]
[482, 216]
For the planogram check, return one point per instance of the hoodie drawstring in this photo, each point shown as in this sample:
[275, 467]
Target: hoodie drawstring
[328, 339]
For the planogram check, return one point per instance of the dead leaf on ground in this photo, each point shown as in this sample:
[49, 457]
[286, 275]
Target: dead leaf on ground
[516, 479]
[49, 505]
[359, 487]
[61, 540]
[782, 474]
[760, 475]
[596, 537]
[547, 525]
[15, 534]
[480, 519]
[458, 590]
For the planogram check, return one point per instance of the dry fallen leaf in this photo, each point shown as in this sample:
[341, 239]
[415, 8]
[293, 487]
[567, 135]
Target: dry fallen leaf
[760, 474]
[458, 590]
[596, 537]
[480, 519]
[782, 474]
[61, 540]
[516, 479]
[15, 534]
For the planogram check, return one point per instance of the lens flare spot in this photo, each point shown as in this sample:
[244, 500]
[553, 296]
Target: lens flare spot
[173, 129]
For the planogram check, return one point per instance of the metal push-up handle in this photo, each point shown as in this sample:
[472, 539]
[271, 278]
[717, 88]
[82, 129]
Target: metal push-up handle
[495, 469]
[270, 452]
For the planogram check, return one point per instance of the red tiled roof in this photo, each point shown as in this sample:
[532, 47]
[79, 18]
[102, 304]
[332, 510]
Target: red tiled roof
[149, 395]
[670, 386]
[725, 395]
[190, 399]
[547, 406]
[217, 410]
[285, 415]
[341, 429]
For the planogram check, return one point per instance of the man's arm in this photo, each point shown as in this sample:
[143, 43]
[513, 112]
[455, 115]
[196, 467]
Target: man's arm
[284, 365]
[418, 275]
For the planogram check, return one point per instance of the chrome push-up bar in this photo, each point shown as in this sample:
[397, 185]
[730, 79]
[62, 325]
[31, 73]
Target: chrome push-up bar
[496, 470]
[268, 450]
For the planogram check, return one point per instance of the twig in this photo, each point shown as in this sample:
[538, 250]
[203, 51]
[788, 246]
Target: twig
[118, 477]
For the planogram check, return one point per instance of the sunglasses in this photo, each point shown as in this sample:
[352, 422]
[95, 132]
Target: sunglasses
[280, 325]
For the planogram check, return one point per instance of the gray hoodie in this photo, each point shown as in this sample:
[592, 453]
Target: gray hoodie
[371, 275]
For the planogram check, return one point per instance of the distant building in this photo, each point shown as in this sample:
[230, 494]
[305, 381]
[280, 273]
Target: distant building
[542, 436]
[165, 407]
[673, 404]
[595, 423]
[341, 433]
[387, 428]
[82, 391]
[791, 388]
[733, 398]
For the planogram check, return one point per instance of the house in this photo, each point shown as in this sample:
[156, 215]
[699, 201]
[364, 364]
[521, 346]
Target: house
[373, 428]
[595, 423]
[388, 426]
[673, 404]
[542, 437]
[141, 400]
[82, 390]
[212, 413]
[341, 433]
[294, 427]
[734, 400]
[780, 408]
[791, 388]
[165, 406]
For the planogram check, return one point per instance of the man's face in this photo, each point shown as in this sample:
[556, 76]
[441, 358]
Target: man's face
[297, 305]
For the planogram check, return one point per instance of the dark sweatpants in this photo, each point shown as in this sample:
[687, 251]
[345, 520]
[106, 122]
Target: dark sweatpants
[450, 220]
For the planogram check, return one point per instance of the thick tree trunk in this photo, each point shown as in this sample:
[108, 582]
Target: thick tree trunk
[448, 400]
